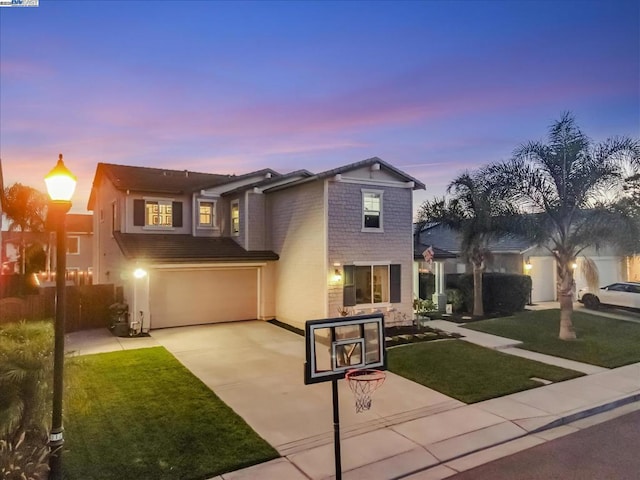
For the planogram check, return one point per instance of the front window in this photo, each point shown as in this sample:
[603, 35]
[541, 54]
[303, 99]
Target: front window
[206, 214]
[73, 245]
[371, 210]
[372, 284]
[235, 218]
[158, 214]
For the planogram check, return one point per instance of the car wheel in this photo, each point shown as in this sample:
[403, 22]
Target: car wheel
[591, 301]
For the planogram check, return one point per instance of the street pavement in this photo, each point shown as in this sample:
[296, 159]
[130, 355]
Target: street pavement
[410, 432]
[608, 450]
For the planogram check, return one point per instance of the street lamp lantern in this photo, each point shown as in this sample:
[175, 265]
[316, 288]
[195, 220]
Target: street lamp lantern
[61, 184]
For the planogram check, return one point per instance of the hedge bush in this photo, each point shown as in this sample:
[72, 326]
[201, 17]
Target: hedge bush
[501, 292]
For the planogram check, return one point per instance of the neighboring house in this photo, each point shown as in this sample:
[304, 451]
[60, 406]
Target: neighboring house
[79, 250]
[211, 248]
[515, 255]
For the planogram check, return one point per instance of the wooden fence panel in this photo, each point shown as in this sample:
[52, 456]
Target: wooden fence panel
[87, 306]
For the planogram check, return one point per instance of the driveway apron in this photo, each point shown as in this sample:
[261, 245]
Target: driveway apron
[257, 369]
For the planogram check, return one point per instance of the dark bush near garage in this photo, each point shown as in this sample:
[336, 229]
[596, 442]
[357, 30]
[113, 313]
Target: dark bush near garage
[501, 292]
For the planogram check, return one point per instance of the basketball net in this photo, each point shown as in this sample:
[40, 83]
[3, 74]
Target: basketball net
[364, 382]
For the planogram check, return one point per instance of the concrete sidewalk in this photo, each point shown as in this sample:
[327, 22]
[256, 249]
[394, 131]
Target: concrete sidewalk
[410, 432]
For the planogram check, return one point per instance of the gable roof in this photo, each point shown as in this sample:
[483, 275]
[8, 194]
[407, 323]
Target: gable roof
[183, 248]
[440, 236]
[417, 184]
[265, 182]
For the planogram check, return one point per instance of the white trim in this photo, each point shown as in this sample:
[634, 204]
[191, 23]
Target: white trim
[207, 266]
[234, 202]
[366, 264]
[325, 247]
[67, 245]
[381, 183]
[246, 220]
[380, 194]
[214, 216]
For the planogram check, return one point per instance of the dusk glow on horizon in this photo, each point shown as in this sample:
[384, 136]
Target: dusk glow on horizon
[431, 87]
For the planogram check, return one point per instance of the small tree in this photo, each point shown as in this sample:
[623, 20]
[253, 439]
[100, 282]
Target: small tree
[472, 212]
[568, 192]
[25, 208]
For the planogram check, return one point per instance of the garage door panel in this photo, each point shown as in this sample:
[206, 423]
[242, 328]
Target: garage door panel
[181, 298]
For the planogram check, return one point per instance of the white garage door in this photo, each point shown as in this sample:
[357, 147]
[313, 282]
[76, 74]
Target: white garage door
[543, 279]
[194, 297]
[609, 271]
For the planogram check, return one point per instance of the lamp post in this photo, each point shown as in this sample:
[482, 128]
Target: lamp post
[61, 184]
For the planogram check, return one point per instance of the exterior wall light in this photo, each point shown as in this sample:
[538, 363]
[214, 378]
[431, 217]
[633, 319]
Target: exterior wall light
[139, 273]
[528, 266]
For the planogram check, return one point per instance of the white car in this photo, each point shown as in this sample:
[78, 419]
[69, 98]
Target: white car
[620, 294]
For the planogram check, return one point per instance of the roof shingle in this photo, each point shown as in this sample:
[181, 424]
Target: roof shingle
[179, 248]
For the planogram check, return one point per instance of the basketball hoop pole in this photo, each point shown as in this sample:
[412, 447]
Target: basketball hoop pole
[336, 429]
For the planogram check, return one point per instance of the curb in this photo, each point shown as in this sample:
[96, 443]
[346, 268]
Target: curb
[589, 412]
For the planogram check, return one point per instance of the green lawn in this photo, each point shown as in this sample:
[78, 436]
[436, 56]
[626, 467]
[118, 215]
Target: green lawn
[469, 372]
[601, 341]
[148, 417]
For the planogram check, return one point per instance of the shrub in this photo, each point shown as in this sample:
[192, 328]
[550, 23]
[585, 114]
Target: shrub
[501, 292]
[454, 297]
[26, 371]
[20, 461]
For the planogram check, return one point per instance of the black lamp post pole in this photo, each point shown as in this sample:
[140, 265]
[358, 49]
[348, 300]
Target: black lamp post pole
[59, 211]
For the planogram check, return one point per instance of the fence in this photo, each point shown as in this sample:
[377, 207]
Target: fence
[87, 306]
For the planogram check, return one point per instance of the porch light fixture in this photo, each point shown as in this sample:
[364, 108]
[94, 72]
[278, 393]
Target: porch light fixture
[574, 265]
[528, 266]
[337, 275]
[61, 184]
[139, 273]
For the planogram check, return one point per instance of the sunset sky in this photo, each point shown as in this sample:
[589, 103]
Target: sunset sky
[229, 87]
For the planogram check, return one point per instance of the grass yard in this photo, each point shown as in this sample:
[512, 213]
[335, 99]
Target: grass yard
[148, 417]
[468, 372]
[601, 341]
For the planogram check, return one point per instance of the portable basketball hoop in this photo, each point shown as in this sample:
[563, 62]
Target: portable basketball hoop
[364, 382]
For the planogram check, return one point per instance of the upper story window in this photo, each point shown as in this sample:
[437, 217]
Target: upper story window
[161, 214]
[73, 245]
[372, 210]
[206, 213]
[235, 217]
[158, 214]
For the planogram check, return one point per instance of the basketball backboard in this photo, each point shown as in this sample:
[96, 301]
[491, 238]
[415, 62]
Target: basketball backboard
[335, 345]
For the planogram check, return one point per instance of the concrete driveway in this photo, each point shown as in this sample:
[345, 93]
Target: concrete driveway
[257, 369]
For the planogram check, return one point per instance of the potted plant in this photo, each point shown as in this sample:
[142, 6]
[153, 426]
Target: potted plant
[119, 314]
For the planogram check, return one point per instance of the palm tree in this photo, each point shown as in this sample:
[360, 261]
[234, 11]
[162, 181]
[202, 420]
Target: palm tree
[472, 212]
[569, 188]
[25, 207]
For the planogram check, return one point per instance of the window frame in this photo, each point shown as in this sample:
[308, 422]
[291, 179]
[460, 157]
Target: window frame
[234, 227]
[68, 243]
[366, 193]
[213, 224]
[140, 213]
[394, 284]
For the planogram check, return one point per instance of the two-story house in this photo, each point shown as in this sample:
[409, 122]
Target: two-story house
[192, 248]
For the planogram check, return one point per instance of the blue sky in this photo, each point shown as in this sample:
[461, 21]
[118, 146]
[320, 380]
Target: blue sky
[228, 87]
